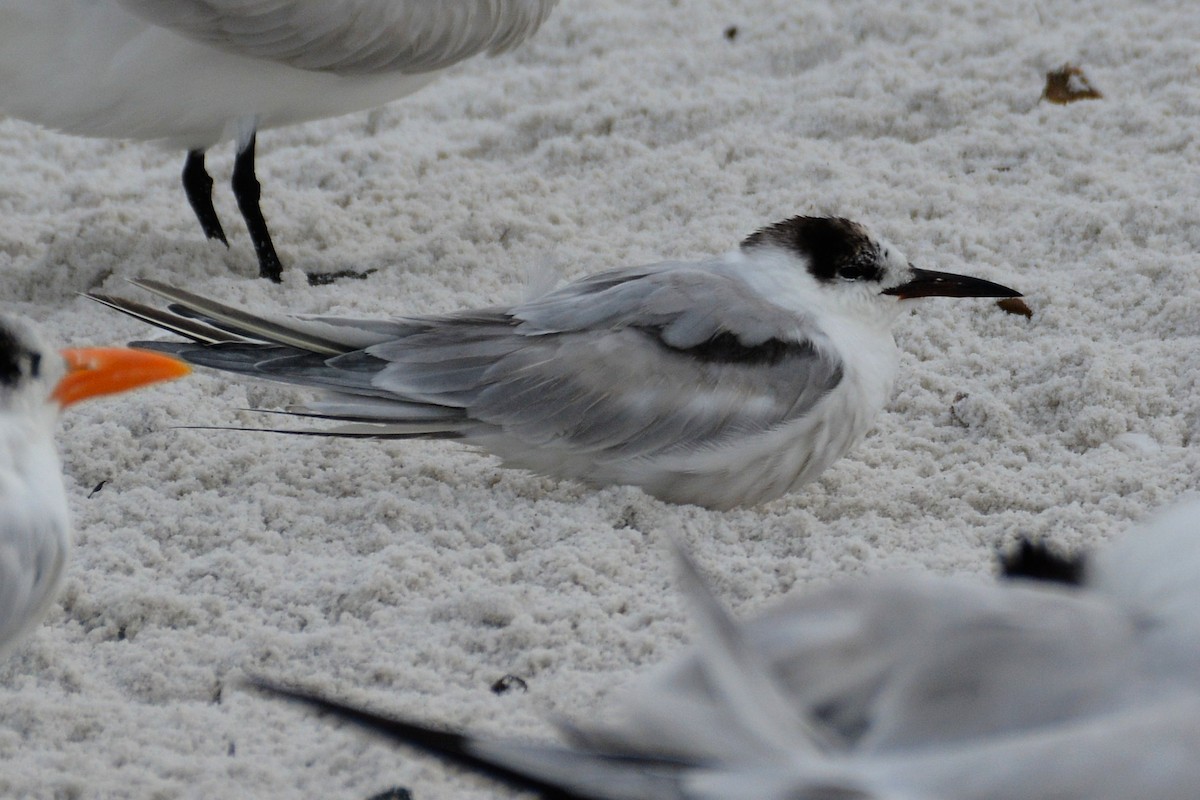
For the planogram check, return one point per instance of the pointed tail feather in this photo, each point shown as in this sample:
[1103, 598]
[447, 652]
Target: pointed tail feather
[276, 330]
[555, 772]
[340, 432]
[296, 351]
[188, 328]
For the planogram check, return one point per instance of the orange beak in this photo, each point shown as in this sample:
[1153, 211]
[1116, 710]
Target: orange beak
[97, 371]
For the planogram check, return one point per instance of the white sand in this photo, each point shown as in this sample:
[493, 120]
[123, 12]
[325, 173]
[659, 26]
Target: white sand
[411, 576]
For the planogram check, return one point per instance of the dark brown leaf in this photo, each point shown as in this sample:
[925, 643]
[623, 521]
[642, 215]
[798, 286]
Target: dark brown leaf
[1015, 305]
[1068, 84]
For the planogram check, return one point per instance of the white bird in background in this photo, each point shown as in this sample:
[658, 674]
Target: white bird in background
[192, 73]
[35, 532]
[723, 382]
[899, 687]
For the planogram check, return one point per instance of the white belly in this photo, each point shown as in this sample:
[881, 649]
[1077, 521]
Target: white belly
[34, 533]
[89, 68]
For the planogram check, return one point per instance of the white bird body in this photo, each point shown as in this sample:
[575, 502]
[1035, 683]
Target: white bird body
[192, 73]
[901, 687]
[723, 382]
[35, 530]
[115, 75]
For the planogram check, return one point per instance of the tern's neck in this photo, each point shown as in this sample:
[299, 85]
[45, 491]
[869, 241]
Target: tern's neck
[780, 279]
[27, 441]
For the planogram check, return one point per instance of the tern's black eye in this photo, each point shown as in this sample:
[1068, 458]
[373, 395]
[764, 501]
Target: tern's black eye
[864, 265]
[860, 270]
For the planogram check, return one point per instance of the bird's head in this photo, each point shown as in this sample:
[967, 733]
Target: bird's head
[849, 265]
[34, 377]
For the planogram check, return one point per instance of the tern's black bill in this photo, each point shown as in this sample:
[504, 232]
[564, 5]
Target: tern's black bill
[928, 283]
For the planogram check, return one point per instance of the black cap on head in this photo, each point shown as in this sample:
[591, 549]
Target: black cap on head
[17, 359]
[1040, 562]
[834, 247]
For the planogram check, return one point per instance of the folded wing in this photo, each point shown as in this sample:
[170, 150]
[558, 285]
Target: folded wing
[351, 36]
[632, 364]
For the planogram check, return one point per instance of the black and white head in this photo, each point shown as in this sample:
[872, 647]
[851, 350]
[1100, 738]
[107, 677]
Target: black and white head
[36, 380]
[847, 262]
[29, 370]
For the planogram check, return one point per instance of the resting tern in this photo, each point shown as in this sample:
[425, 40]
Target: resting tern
[723, 382]
[193, 73]
[898, 687]
[35, 532]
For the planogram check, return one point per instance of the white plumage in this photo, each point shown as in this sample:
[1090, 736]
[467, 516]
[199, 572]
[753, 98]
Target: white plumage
[35, 532]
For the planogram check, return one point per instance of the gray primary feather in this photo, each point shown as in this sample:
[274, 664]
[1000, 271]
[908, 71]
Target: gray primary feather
[689, 304]
[633, 363]
[903, 662]
[352, 37]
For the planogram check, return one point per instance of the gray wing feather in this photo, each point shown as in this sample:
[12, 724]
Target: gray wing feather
[617, 365]
[352, 36]
[282, 364]
[305, 334]
[690, 303]
[906, 662]
[183, 326]
[622, 364]
[617, 393]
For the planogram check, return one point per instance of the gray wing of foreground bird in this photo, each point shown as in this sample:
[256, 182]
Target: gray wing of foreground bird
[900, 688]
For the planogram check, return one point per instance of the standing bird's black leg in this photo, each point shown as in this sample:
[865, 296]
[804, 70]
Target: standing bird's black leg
[247, 190]
[197, 185]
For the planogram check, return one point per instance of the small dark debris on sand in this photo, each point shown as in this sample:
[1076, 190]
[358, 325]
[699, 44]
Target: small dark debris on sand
[395, 793]
[1015, 305]
[1068, 84]
[326, 278]
[508, 683]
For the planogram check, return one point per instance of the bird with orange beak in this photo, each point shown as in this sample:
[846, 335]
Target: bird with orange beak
[35, 529]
